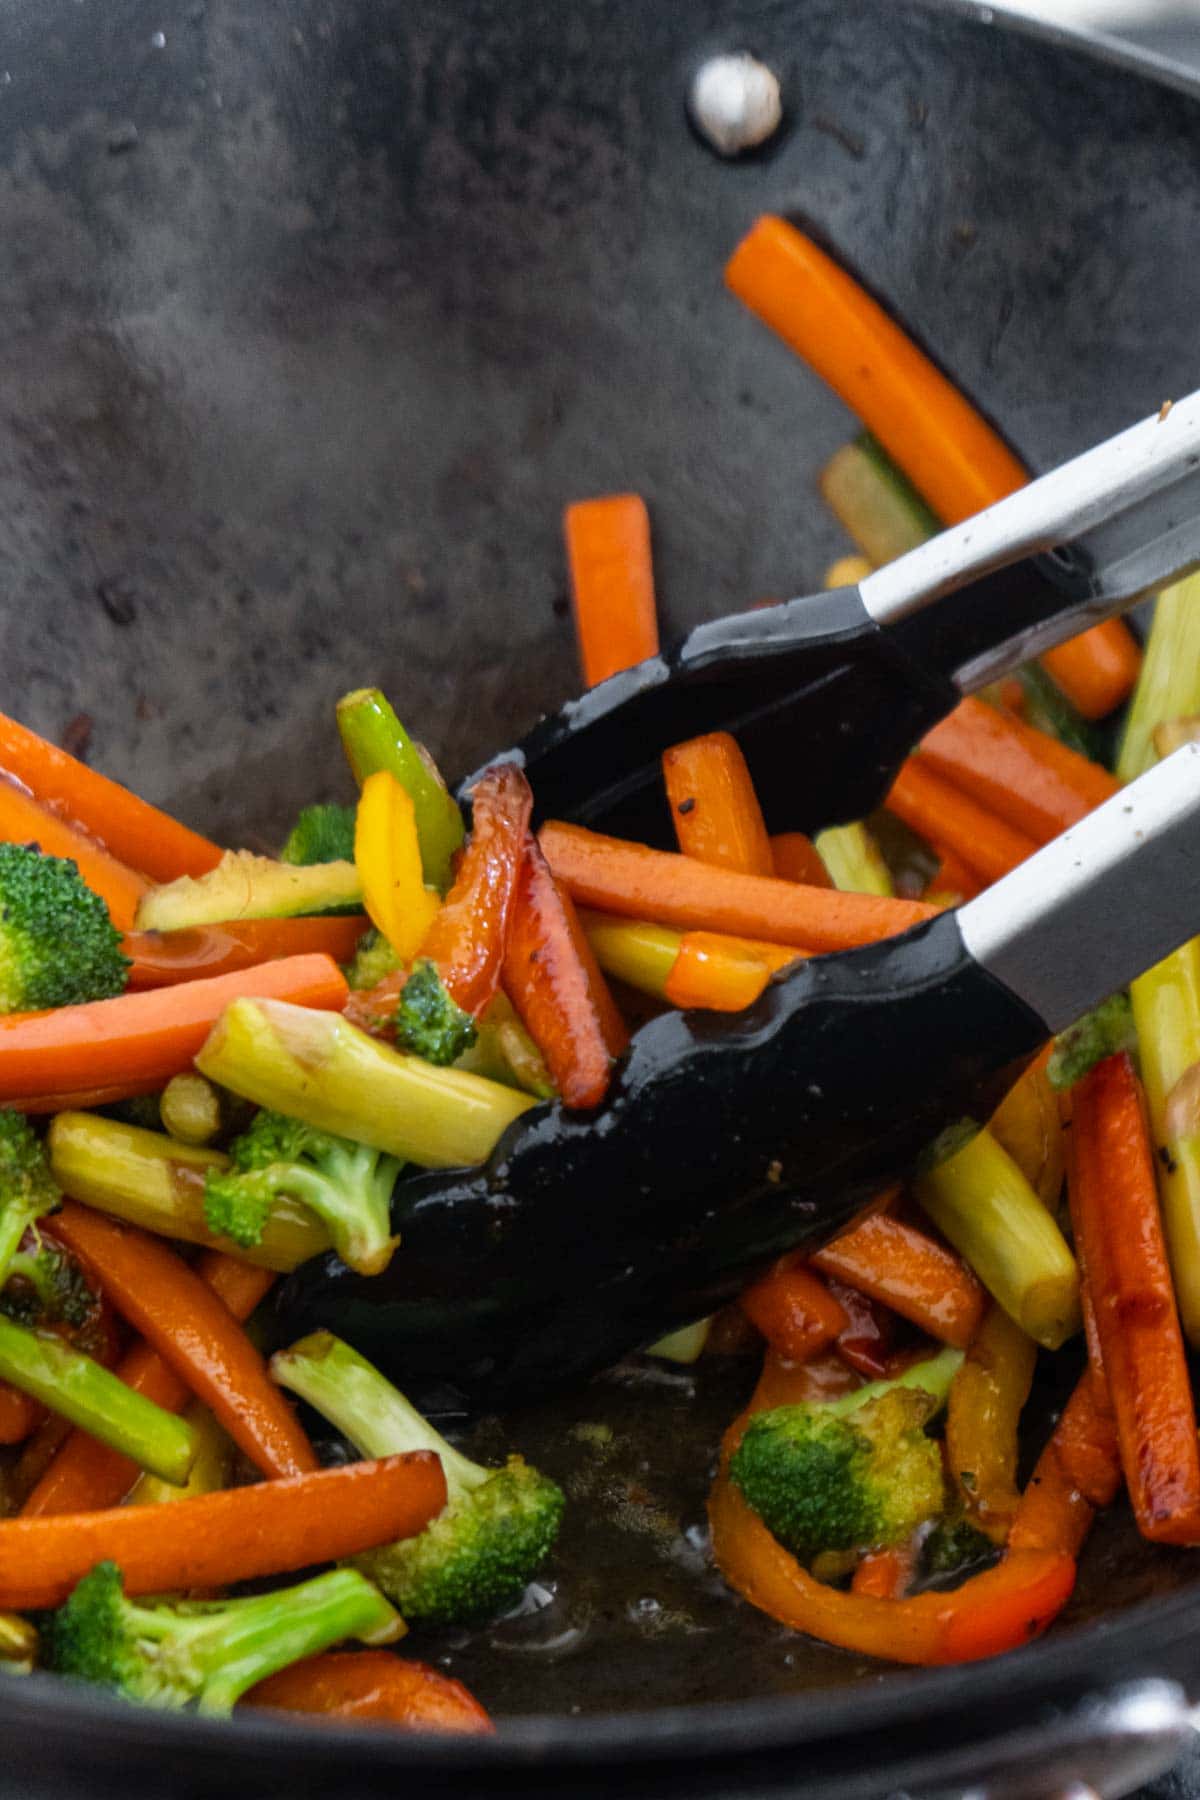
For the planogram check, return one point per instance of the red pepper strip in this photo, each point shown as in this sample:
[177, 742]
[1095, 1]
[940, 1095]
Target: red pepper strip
[372, 1685]
[163, 958]
[1077, 1473]
[866, 1344]
[555, 983]
[886, 1573]
[784, 1383]
[915, 1275]
[468, 938]
[794, 1310]
[990, 1613]
[1115, 1214]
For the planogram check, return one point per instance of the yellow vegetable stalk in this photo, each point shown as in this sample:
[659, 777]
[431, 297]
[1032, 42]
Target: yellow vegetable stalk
[1027, 1124]
[387, 855]
[1166, 1013]
[18, 1645]
[854, 860]
[638, 953]
[190, 1109]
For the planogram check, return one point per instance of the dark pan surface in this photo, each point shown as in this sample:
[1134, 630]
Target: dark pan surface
[315, 314]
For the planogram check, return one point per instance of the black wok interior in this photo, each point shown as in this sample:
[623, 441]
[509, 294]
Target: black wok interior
[314, 315]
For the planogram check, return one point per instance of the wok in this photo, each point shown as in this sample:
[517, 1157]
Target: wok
[313, 316]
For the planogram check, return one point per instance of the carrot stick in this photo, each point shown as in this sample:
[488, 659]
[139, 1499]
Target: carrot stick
[951, 878]
[910, 1272]
[943, 815]
[1114, 1210]
[1024, 776]
[138, 1041]
[1056, 1510]
[885, 1573]
[213, 1540]
[19, 1415]
[794, 1310]
[724, 974]
[193, 1331]
[617, 876]
[944, 446]
[553, 979]
[129, 828]
[714, 808]
[795, 857]
[612, 584]
[163, 958]
[372, 1686]
[86, 1475]
[23, 821]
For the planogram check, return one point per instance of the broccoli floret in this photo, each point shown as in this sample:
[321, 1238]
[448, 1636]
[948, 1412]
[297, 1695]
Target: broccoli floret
[497, 1527]
[372, 960]
[348, 1186]
[428, 1022]
[205, 1654]
[46, 1286]
[321, 834]
[27, 1188]
[857, 1473]
[1099, 1034]
[954, 1546]
[58, 946]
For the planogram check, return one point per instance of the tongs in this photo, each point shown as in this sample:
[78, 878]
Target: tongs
[727, 1140]
[843, 684]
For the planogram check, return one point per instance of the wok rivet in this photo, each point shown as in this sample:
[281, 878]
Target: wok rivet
[735, 103]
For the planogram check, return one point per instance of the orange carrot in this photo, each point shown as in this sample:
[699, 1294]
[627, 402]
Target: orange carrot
[163, 958]
[944, 815]
[912, 1273]
[1115, 1214]
[19, 1415]
[615, 875]
[721, 973]
[794, 1310]
[951, 878]
[23, 821]
[553, 979]
[212, 1540]
[795, 857]
[193, 1331]
[714, 808]
[138, 1041]
[372, 1686]
[129, 828]
[86, 1475]
[612, 584]
[885, 1573]
[1078, 1472]
[944, 446]
[1023, 775]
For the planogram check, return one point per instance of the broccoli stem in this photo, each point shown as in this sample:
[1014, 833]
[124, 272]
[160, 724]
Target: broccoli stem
[1098, 1035]
[373, 739]
[854, 860]
[933, 1376]
[1169, 684]
[358, 1401]
[317, 1067]
[81, 1390]
[147, 1179]
[207, 1475]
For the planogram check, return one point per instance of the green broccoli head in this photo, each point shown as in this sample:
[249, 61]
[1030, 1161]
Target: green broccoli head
[205, 1654]
[347, 1185]
[27, 1188]
[321, 834]
[428, 1022]
[46, 1286]
[956, 1547]
[58, 946]
[373, 959]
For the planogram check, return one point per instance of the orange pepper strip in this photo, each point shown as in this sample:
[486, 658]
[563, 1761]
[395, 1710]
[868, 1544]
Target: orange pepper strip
[372, 1685]
[796, 858]
[714, 808]
[941, 814]
[212, 1540]
[944, 446]
[86, 1475]
[886, 1573]
[1021, 774]
[138, 1041]
[24, 821]
[164, 958]
[1078, 1472]
[784, 1383]
[128, 827]
[615, 875]
[722, 973]
[193, 1331]
[982, 1417]
[553, 979]
[1028, 1125]
[468, 938]
[794, 1310]
[990, 1613]
[612, 584]
[910, 1272]
[1115, 1214]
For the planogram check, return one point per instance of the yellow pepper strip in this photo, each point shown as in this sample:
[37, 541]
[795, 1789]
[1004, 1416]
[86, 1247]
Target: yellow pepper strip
[387, 854]
[1166, 1012]
[1028, 1125]
[982, 1416]
[637, 953]
[982, 1202]
[208, 1474]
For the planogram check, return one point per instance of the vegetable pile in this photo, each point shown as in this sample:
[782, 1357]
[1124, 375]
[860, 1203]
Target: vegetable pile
[216, 1065]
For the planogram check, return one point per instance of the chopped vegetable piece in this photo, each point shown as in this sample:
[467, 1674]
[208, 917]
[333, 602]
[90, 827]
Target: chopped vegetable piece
[190, 1109]
[18, 1644]
[981, 1201]
[847, 571]
[33, 828]
[27, 1188]
[943, 815]
[162, 958]
[1027, 1124]
[640, 954]
[469, 936]
[1047, 707]
[684, 1346]
[374, 739]
[244, 887]
[913, 1274]
[982, 1417]
[373, 1686]
[1026, 778]
[318, 1067]
[58, 946]
[192, 1330]
[951, 881]
[879, 507]
[714, 808]
[885, 1573]
[373, 961]
[141, 1040]
[1106, 1030]
[1169, 684]
[794, 857]
[321, 834]
[498, 1527]
[612, 584]
[854, 860]
[387, 855]
[954, 1545]
[428, 1021]
[1059, 1503]
[794, 1310]
[615, 875]
[725, 974]
[210, 1470]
